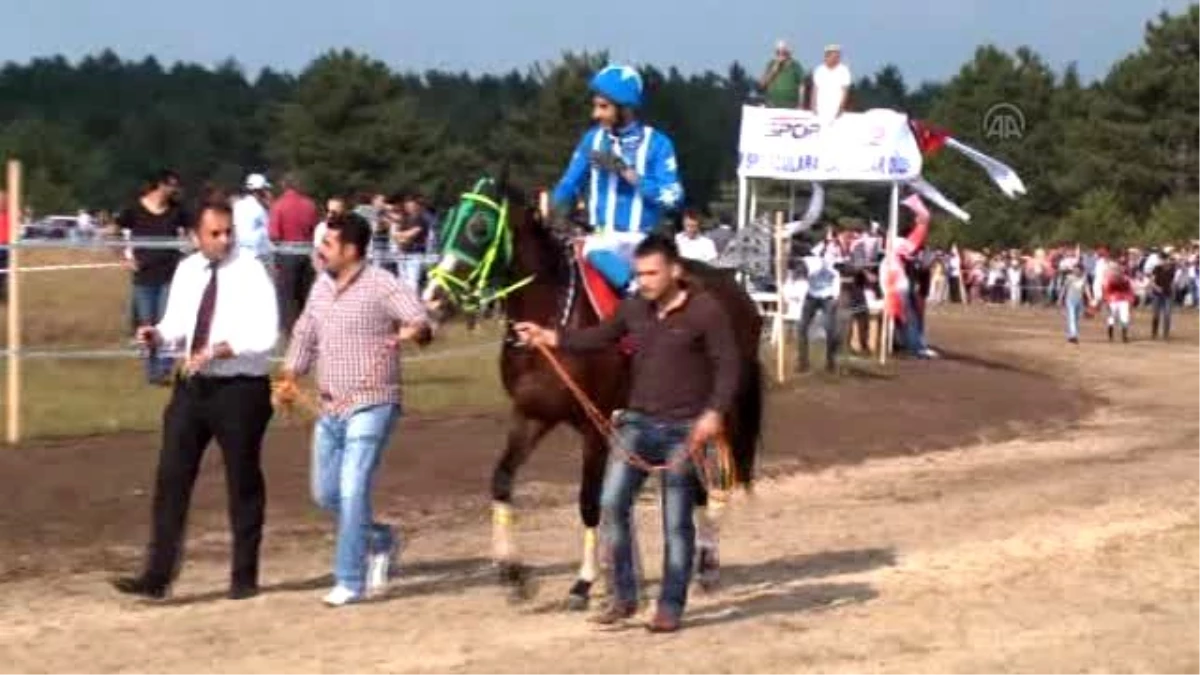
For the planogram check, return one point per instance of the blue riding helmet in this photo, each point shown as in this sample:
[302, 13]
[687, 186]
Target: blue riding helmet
[620, 84]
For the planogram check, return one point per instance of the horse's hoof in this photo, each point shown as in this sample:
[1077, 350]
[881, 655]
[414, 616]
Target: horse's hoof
[709, 581]
[510, 573]
[522, 592]
[580, 596]
[708, 571]
[519, 581]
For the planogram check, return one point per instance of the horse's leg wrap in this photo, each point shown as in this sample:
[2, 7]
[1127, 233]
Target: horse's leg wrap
[513, 573]
[503, 549]
[589, 566]
[581, 591]
[708, 531]
[708, 521]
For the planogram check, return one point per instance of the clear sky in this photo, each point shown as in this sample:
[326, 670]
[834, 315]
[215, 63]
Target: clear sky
[927, 39]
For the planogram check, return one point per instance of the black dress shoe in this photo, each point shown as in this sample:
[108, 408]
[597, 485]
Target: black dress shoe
[140, 586]
[242, 592]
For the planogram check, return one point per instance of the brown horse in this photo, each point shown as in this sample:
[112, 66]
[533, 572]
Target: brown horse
[496, 244]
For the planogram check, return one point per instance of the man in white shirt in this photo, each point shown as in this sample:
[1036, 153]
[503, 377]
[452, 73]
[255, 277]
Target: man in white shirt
[333, 206]
[84, 225]
[824, 289]
[831, 82]
[223, 312]
[692, 243]
[251, 217]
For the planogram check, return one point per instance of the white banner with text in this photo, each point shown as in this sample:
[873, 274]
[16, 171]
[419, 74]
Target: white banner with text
[785, 144]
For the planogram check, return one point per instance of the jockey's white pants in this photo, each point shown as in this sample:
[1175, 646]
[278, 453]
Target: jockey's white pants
[1118, 310]
[611, 253]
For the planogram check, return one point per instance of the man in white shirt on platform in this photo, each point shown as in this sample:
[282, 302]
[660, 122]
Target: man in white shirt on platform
[692, 243]
[223, 314]
[831, 82]
[251, 217]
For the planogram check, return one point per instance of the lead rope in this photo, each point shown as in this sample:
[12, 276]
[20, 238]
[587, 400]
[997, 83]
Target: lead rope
[727, 471]
[311, 405]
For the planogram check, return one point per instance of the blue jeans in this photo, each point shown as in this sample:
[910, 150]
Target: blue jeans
[1161, 302]
[410, 271]
[656, 441]
[149, 305]
[1074, 312]
[346, 452]
[914, 331]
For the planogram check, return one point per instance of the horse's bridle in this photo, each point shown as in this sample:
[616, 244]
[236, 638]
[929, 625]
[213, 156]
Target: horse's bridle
[472, 293]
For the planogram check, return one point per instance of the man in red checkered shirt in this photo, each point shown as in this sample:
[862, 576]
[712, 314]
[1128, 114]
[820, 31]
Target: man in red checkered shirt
[356, 317]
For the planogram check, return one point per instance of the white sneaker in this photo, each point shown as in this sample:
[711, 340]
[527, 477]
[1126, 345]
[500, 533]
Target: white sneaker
[341, 596]
[929, 353]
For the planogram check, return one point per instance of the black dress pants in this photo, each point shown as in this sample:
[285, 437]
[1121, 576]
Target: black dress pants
[296, 278]
[235, 411]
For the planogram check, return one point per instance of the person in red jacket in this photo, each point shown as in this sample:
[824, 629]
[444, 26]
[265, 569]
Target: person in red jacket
[1118, 293]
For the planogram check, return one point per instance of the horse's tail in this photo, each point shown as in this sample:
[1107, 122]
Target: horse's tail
[747, 431]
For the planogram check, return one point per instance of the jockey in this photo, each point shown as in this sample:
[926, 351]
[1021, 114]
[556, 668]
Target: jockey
[629, 171]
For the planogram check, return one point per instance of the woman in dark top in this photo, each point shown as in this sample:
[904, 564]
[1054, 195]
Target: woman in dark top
[154, 215]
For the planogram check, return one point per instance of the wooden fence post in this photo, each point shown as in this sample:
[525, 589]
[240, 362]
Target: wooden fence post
[13, 405]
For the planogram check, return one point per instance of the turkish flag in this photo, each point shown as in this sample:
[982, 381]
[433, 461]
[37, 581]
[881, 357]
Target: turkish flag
[930, 138]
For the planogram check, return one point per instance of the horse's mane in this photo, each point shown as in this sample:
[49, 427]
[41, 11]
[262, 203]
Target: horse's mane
[527, 222]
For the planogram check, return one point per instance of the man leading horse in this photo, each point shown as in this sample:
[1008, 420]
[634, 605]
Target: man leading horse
[685, 376]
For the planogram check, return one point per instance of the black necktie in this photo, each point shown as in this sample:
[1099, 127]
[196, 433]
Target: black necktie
[204, 315]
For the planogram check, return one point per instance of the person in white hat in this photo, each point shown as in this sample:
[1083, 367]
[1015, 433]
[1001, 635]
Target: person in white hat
[831, 84]
[251, 215]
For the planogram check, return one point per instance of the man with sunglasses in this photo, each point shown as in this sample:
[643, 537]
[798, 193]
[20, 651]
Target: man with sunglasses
[625, 170]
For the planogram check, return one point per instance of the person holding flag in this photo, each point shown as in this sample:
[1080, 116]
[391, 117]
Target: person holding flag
[901, 301]
[625, 170]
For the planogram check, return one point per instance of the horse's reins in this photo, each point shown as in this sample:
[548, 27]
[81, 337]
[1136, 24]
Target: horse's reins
[725, 465]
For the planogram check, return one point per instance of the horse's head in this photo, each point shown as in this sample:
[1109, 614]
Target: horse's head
[477, 249]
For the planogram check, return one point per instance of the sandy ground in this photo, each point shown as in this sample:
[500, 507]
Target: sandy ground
[1065, 546]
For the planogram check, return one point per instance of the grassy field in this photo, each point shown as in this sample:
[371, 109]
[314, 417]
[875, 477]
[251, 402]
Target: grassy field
[74, 397]
[89, 310]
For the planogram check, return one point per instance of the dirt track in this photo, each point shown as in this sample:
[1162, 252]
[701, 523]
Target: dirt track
[1058, 531]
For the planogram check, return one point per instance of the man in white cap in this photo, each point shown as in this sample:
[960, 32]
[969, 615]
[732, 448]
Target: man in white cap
[251, 217]
[782, 79]
[831, 84]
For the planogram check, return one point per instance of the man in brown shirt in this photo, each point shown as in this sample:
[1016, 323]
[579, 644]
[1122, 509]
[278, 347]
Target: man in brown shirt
[685, 376]
[351, 327]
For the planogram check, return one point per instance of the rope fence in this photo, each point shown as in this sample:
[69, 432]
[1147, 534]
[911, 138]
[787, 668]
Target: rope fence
[119, 249]
[131, 353]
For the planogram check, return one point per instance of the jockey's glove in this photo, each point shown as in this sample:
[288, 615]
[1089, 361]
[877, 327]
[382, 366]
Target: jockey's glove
[607, 161]
[560, 222]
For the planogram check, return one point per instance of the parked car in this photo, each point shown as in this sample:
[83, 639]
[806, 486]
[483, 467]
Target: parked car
[51, 227]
